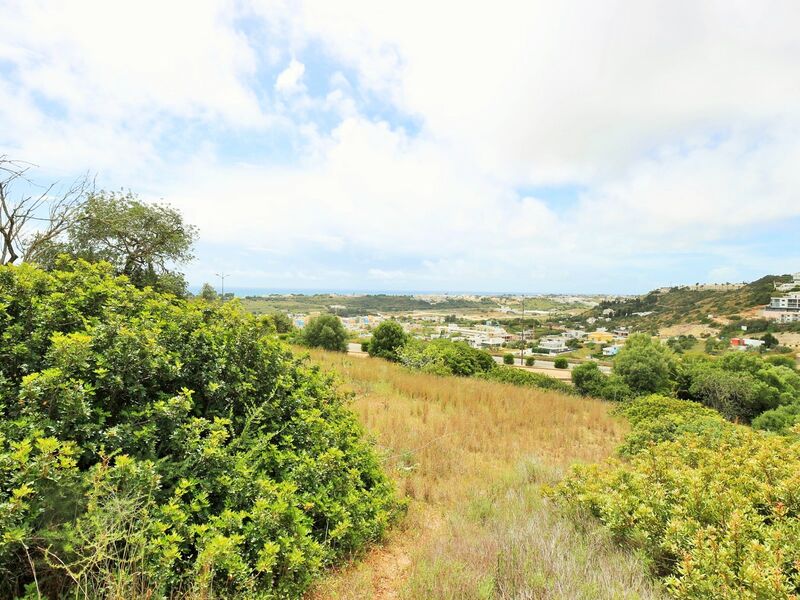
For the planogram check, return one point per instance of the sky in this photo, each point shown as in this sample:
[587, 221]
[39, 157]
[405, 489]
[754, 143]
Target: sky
[530, 146]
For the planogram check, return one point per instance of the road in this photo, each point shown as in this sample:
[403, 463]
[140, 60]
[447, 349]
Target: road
[540, 366]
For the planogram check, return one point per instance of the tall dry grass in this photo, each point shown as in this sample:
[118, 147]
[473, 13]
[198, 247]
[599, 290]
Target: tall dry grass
[472, 456]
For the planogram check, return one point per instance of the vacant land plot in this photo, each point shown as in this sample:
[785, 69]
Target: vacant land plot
[472, 458]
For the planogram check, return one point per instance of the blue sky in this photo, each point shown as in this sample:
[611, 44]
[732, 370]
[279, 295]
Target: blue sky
[596, 147]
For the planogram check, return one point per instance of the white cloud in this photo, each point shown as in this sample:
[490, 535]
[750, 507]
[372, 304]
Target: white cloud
[290, 79]
[677, 121]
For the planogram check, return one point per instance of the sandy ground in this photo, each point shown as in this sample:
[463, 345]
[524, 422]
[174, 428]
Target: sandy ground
[695, 329]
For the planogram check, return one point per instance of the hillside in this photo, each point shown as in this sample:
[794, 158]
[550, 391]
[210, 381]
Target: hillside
[346, 306]
[471, 458]
[685, 304]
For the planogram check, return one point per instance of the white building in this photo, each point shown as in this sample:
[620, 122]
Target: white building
[612, 350]
[784, 309]
[788, 287]
[553, 344]
[574, 334]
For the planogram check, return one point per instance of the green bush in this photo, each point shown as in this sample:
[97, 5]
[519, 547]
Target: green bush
[526, 378]
[152, 443]
[561, 363]
[445, 357]
[365, 346]
[589, 380]
[387, 339]
[508, 359]
[327, 332]
[713, 506]
[644, 365]
[530, 361]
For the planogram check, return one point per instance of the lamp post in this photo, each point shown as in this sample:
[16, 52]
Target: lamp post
[222, 277]
[522, 350]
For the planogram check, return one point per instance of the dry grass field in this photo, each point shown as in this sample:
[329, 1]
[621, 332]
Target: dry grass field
[472, 457]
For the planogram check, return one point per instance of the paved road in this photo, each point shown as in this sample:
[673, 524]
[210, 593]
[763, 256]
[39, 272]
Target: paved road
[538, 365]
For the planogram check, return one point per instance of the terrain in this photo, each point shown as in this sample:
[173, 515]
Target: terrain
[472, 458]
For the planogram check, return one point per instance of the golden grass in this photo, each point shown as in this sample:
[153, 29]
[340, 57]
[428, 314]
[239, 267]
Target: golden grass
[471, 456]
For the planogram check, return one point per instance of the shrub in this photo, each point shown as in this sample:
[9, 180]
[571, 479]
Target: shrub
[561, 363]
[365, 346]
[526, 378]
[712, 505]
[589, 380]
[445, 357]
[387, 339]
[325, 331]
[530, 361]
[644, 365]
[164, 444]
[508, 358]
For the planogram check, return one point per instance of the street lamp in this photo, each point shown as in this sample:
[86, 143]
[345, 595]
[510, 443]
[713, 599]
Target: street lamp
[522, 350]
[222, 276]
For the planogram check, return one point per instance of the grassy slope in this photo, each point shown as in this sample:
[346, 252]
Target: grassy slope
[471, 457]
[684, 305]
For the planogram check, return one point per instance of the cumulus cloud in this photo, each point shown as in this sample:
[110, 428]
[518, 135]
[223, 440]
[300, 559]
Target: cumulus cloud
[417, 141]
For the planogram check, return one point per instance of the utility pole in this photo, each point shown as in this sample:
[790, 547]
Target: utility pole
[522, 351]
[222, 276]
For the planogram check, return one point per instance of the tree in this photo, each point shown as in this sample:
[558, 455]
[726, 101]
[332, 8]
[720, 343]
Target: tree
[508, 359]
[644, 365]
[387, 339]
[208, 293]
[31, 222]
[770, 341]
[140, 240]
[282, 322]
[588, 379]
[325, 331]
[561, 363]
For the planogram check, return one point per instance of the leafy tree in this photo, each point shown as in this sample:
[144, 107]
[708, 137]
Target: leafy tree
[782, 360]
[770, 341]
[208, 293]
[325, 331]
[644, 365]
[561, 363]
[588, 379]
[142, 241]
[530, 361]
[282, 322]
[508, 359]
[387, 339]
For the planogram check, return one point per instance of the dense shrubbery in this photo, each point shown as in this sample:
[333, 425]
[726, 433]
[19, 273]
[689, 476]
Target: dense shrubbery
[526, 378]
[150, 445]
[325, 331]
[714, 506]
[445, 357]
[739, 385]
[387, 340]
[589, 380]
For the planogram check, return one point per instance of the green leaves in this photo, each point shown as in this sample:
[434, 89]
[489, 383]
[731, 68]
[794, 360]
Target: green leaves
[163, 444]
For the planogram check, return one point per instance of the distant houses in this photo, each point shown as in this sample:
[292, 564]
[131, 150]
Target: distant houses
[784, 309]
[746, 343]
[788, 287]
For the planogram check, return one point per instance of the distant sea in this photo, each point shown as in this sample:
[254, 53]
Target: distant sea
[259, 291]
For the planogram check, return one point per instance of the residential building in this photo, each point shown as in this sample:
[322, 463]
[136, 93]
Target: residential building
[574, 334]
[784, 309]
[746, 343]
[600, 337]
[612, 350]
[788, 287]
[553, 344]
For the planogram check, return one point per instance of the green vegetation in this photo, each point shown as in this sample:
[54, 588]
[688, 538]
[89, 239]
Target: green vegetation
[445, 357]
[156, 447]
[644, 365]
[508, 358]
[351, 306]
[688, 305]
[386, 341]
[589, 380]
[530, 361]
[561, 363]
[325, 331]
[713, 506]
[524, 378]
[141, 240]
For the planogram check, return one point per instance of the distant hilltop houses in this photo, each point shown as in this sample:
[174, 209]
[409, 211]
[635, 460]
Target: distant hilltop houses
[785, 309]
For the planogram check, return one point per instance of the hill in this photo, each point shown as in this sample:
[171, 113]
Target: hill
[689, 304]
